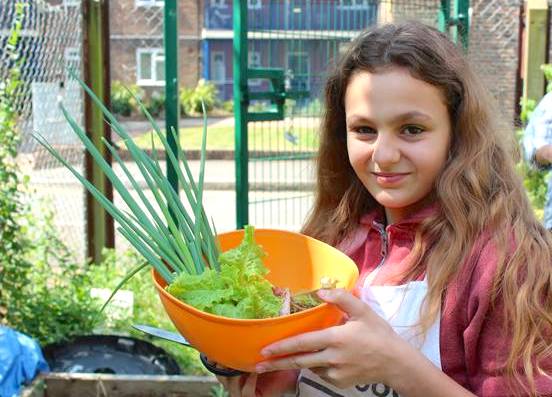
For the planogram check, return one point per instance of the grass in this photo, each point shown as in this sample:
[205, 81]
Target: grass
[261, 137]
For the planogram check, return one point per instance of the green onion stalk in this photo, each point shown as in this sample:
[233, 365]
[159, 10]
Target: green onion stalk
[173, 240]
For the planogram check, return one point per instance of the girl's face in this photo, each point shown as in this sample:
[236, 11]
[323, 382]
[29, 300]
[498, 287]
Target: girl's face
[398, 137]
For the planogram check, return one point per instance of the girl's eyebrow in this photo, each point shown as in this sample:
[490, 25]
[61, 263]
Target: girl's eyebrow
[415, 114]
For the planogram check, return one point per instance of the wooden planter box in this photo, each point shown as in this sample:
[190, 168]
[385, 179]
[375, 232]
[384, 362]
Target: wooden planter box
[105, 385]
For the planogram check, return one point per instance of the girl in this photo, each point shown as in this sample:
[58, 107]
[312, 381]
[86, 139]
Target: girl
[416, 182]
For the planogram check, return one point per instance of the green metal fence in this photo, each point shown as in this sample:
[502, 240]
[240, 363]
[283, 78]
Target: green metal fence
[282, 50]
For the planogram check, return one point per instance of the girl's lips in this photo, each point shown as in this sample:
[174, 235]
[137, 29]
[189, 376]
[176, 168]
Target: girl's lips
[388, 178]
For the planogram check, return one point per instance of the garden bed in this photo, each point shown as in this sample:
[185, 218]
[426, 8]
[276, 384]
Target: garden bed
[104, 385]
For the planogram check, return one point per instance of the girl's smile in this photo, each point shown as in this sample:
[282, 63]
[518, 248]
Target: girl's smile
[389, 178]
[398, 137]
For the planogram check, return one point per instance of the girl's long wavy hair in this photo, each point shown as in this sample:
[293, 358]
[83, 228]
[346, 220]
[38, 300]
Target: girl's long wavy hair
[478, 190]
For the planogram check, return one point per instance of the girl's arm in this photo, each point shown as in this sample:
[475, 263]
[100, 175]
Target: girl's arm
[416, 376]
[364, 350]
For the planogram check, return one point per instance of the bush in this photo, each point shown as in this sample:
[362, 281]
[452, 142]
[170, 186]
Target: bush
[534, 180]
[14, 266]
[228, 106]
[55, 304]
[155, 105]
[191, 99]
[123, 99]
[547, 70]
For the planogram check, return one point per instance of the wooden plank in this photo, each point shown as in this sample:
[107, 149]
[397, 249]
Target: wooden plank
[35, 389]
[104, 385]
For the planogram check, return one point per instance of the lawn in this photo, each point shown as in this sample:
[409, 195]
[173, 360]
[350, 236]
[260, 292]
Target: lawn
[262, 136]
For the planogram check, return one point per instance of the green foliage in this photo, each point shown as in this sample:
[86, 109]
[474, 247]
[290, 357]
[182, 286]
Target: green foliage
[527, 108]
[191, 99]
[534, 180]
[123, 100]
[14, 267]
[228, 106]
[547, 70]
[156, 103]
[218, 391]
[147, 306]
[55, 304]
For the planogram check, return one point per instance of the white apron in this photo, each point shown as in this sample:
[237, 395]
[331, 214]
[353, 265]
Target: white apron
[400, 307]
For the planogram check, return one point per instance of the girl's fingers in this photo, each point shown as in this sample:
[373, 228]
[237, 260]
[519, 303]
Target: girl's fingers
[233, 384]
[249, 388]
[297, 361]
[347, 302]
[304, 343]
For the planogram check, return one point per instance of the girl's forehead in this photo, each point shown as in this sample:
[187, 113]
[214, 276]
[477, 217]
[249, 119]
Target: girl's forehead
[391, 90]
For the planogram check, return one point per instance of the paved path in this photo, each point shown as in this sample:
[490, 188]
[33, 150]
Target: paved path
[280, 196]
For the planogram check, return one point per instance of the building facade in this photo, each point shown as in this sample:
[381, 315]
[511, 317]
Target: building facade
[136, 32]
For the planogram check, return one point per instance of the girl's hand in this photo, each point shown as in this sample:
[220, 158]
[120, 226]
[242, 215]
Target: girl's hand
[363, 350]
[272, 384]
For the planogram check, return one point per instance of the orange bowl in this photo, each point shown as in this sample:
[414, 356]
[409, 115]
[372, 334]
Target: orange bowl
[296, 262]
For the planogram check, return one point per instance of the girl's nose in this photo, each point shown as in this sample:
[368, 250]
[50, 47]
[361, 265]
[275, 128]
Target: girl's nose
[386, 150]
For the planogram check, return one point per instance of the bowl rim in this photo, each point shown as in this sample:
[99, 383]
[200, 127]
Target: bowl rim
[158, 282]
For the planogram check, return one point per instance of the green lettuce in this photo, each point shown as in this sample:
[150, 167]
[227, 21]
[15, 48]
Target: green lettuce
[239, 290]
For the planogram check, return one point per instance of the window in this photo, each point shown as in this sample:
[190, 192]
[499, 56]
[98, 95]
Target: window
[150, 3]
[353, 4]
[71, 3]
[218, 3]
[254, 4]
[218, 67]
[298, 71]
[150, 69]
[254, 62]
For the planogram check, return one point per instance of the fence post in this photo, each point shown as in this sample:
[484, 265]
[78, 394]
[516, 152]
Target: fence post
[462, 18]
[534, 54]
[172, 111]
[99, 224]
[241, 104]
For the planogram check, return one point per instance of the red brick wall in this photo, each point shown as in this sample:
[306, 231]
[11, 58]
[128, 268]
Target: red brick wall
[493, 50]
[133, 27]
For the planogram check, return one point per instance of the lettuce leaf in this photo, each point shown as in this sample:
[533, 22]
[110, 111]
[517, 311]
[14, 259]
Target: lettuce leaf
[239, 290]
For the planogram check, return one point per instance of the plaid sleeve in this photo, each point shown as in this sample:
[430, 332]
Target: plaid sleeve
[539, 131]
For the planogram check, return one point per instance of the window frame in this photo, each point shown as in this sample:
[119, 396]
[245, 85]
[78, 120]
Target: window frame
[212, 63]
[72, 3]
[149, 3]
[218, 4]
[308, 63]
[257, 6]
[250, 55]
[156, 54]
[355, 6]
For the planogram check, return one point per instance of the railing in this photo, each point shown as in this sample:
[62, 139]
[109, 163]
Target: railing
[296, 15]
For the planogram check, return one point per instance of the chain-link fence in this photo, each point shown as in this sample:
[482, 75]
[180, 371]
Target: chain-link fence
[50, 43]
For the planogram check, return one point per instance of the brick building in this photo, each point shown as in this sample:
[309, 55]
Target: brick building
[136, 31]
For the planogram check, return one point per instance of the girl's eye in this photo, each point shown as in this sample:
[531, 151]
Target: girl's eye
[364, 130]
[413, 130]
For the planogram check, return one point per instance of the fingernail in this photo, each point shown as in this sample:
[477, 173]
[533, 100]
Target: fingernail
[266, 352]
[260, 369]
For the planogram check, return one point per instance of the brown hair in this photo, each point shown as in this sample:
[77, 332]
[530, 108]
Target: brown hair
[478, 190]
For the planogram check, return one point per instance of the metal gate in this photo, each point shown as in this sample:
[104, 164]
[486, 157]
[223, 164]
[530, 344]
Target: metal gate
[282, 50]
